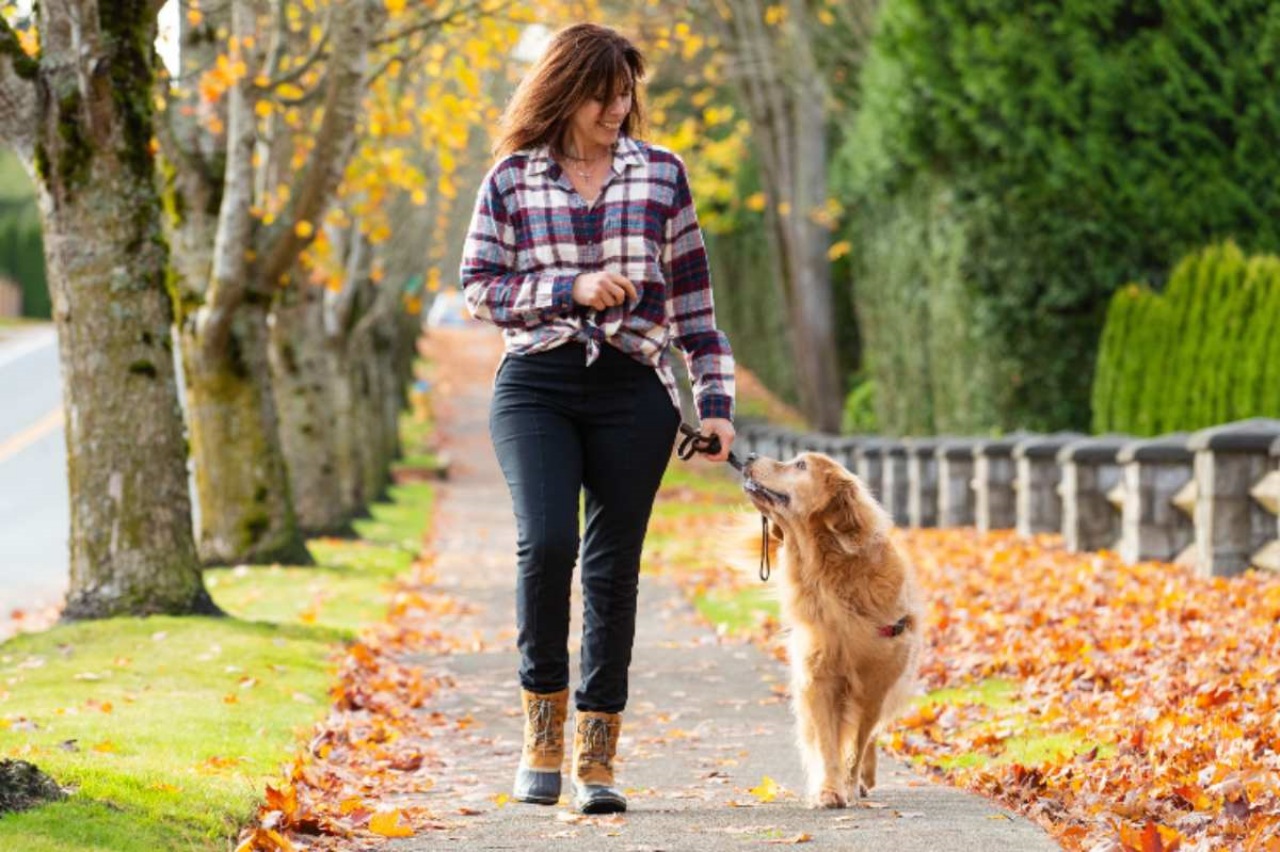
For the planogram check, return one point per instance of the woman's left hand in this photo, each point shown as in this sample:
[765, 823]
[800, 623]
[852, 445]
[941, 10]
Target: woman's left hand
[722, 429]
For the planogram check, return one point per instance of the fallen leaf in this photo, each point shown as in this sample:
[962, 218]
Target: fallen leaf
[388, 824]
[766, 791]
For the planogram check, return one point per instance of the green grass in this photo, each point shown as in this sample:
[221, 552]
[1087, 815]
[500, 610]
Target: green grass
[202, 712]
[737, 611]
[1031, 746]
[20, 322]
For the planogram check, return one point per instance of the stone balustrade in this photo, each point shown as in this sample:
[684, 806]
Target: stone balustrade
[1210, 499]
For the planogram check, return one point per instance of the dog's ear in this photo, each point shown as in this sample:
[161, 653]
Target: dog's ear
[841, 520]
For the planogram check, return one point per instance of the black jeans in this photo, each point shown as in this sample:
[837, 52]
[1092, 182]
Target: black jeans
[561, 429]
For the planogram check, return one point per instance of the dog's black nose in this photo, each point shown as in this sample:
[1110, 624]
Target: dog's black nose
[752, 457]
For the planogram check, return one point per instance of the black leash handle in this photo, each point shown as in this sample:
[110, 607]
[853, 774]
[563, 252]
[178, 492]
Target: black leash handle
[696, 442]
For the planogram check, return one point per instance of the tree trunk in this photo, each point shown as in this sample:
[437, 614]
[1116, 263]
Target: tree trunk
[376, 390]
[132, 551]
[246, 511]
[785, 96]
[303, 377]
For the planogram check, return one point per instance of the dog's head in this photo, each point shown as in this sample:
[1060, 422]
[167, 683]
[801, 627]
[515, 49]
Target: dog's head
[814, 494]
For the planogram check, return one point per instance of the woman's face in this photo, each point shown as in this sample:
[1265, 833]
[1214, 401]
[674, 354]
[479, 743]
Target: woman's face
[596, 123]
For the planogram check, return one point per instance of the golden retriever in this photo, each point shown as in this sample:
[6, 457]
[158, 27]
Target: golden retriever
[849, 603]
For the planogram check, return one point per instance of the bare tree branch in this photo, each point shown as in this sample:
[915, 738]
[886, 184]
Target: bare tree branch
[17, 94]
[335, 140]
[319, 51]
[230, 272]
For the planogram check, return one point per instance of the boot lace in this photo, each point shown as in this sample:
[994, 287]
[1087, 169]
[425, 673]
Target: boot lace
[542, 723]
[595, 741]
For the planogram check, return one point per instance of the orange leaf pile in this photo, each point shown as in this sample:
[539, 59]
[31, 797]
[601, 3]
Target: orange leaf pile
[1173, 675]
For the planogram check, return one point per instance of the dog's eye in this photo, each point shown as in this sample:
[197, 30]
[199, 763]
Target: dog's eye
[800, 465]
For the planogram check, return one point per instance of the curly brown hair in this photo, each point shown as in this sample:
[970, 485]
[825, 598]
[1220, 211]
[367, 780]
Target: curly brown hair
[583, 61]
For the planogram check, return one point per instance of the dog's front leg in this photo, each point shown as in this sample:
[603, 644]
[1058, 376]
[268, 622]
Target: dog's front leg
[818, 706]
[862, 765]
[868, 779]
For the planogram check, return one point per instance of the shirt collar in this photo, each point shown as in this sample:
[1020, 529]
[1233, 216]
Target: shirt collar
[627, 154]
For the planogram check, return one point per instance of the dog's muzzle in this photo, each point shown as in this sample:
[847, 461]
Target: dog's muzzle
[755, 489]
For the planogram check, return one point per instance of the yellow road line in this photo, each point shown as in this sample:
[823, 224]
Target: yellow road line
[27, 437]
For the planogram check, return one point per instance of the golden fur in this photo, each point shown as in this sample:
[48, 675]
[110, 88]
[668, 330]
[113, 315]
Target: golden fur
[843, 580]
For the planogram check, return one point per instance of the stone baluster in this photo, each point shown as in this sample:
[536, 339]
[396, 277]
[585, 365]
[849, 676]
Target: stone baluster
[1267, 493]
[843, 450]
[894, 479]
[922, 481]
[955, 483]
[1152, 523]
[869, 463]
[1232, 527]
[993, 475]
[1090, 508]
[1037, 475]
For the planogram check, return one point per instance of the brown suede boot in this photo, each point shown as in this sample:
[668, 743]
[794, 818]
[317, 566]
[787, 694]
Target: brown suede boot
[538, 777]
[595, 742]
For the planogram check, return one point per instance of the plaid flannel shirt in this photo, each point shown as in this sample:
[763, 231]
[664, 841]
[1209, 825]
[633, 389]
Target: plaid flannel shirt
[532, 234]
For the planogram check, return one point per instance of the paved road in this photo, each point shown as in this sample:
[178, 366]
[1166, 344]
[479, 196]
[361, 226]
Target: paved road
[33, 478]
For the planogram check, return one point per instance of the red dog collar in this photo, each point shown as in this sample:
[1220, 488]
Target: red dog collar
[895, 629]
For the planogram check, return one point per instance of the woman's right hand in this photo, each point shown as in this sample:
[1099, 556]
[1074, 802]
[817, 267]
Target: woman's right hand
[602, 289]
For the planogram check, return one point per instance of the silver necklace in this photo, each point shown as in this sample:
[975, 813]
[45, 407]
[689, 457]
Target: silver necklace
[584, 167]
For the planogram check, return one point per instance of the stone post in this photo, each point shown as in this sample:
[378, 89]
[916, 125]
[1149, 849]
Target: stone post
[869, 461]
[1152, 523]
[1267, 493]
[1037, 475]
[843, 450]
[1090, 505]
[993, 471]
[922, 481]
[1231, 526]
[955, 483]
[894, 477]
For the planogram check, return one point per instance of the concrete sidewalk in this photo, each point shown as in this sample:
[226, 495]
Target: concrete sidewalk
[704, 726]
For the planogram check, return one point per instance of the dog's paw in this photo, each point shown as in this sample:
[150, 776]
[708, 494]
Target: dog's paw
[863, 790]
[830, 800]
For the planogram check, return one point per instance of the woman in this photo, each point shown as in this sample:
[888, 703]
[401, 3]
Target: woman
[585, 250]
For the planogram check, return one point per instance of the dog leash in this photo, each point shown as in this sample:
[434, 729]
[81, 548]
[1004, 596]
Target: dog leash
[695, 442]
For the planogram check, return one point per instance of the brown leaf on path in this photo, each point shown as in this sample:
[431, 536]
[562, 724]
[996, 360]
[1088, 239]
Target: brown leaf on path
[790, 841]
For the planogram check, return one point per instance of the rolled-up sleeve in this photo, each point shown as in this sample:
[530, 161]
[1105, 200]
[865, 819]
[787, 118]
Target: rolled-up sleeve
[495, 292]
[691, 309]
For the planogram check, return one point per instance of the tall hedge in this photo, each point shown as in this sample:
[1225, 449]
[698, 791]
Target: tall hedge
[21, 246]
[1081, 144]
[1206, 351]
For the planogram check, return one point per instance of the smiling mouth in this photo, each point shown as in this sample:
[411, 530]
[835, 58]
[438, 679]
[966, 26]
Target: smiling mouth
[608, 126]
[754, 489]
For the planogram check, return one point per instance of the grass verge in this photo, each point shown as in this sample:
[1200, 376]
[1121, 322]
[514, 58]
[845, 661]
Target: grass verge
[167, 729]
